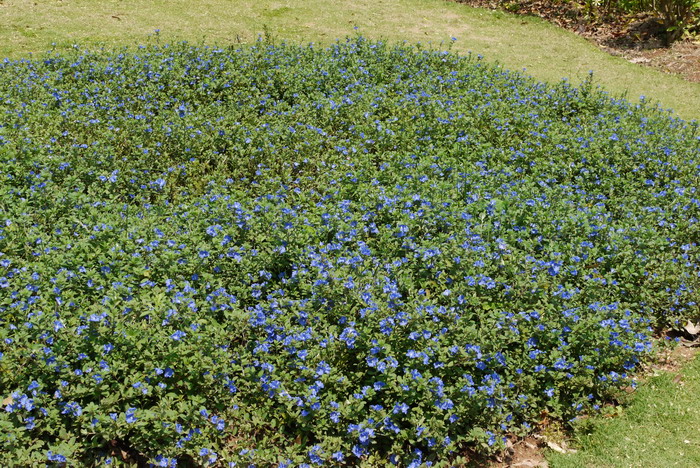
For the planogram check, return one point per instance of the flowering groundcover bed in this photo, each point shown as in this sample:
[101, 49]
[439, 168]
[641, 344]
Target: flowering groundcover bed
[294, 256]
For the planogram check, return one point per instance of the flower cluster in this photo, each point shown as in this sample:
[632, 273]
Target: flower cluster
[298, 256]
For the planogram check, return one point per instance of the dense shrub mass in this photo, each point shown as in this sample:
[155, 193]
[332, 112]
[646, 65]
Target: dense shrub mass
[294, 256]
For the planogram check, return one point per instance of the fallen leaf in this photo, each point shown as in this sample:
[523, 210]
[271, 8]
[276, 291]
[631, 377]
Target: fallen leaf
[692, 328]
[690, 343]
[7, 401]
[558, 448]
[527, 464]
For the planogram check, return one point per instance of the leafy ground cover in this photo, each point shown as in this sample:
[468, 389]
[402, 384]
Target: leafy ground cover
[365, 254]
[547, 52]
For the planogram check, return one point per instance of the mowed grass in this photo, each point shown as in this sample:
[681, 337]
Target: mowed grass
[659, 428]
[544, 51]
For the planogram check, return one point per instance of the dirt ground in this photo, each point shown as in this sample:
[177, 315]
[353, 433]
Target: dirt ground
[638, 38]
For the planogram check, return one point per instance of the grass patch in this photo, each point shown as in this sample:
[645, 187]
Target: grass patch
[658, 427]
[547, 52]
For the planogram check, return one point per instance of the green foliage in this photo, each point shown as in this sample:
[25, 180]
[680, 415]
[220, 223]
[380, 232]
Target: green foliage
[356, 255]
[676, 15]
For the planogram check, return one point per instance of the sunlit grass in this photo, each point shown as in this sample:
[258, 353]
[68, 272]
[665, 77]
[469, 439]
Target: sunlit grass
[657, 429]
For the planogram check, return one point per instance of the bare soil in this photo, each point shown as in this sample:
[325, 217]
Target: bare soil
[638, 38]
[522, 453]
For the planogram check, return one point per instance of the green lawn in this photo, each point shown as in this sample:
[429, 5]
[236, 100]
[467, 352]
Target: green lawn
[545, 51]
[659, 428]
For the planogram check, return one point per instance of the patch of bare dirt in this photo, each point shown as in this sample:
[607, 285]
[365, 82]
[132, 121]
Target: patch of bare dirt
[672, 359]
[638, 38]
[523, 453]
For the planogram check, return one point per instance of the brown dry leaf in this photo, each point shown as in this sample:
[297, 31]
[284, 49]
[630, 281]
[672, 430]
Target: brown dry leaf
[640, 60]
[527, 464]
[692, 328]
[556, 447]
[690, 343]
[560, 448]
[7, 401]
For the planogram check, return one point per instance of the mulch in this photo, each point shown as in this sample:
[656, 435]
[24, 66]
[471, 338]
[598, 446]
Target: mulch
[639, 38]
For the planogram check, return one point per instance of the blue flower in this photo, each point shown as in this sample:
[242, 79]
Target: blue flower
[365, 435]
[72, 408]
[323, 368]
[213, 230]
[400, 408]
[55, 457]
[315, 455]
[159, 184]
[358, 451]
[131, 415]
